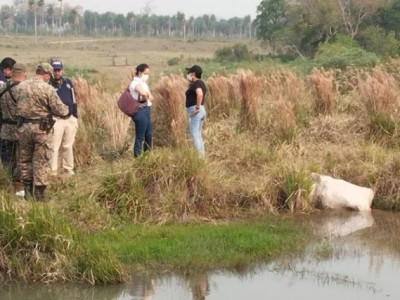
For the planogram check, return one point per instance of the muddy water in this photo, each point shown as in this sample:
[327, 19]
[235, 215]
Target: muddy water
[356, 255]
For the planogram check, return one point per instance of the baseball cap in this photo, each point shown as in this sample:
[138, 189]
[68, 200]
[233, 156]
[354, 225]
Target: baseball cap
[57, 64]
[45, 68]
[19, 68]
[195, 69]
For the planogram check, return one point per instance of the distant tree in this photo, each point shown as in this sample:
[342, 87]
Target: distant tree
[271, 20]
[388, 17]
[247, 25]
[213, 23]
[356, 12]
[374, 39]
[312, 22]
[7, 17]
[74, 18]
[132, 22]
[90, 20]
[182, 23]
[191, 24]
[34, 6]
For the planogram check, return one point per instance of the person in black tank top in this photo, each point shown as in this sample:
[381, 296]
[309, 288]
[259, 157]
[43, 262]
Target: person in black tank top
[195, 96]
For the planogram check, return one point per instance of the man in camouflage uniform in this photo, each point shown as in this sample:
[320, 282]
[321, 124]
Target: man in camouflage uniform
[9, 135]
[37, 102]
[6, 66]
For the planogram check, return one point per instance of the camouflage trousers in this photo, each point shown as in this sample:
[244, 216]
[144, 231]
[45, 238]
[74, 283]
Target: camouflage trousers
[35, 151]
[12, 148]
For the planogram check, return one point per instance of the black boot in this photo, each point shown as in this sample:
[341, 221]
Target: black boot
[38, 194]
[28, 187]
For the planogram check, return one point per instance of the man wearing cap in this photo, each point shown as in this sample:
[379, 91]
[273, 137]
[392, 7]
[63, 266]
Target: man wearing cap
[9, 134]
[64, 128]
[195, 95]
[37, 103]
[6, 66]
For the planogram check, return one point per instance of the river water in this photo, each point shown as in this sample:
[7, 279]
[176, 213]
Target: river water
[356, 255]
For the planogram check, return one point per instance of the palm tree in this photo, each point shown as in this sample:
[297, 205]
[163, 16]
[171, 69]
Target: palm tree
[60, 20]
[181, 19]
[33, 6]
[74, 15]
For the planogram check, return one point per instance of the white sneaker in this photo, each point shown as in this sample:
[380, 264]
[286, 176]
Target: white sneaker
[20, 193]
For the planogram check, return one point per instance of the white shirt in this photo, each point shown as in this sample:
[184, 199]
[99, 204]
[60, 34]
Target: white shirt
[136, 80]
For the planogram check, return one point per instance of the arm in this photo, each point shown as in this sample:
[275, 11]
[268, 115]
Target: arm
[199, 97]
[75, 106]
[57, 107]
[199, 100]
[143, 92]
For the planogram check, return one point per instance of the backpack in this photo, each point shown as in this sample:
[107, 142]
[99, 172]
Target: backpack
[127, 104]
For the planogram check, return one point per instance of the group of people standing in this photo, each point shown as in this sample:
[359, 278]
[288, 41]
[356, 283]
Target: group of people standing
[38, 116]
[195, 95]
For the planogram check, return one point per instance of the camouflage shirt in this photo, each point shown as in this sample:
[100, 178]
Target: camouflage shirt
[8, 109]
[37, 99]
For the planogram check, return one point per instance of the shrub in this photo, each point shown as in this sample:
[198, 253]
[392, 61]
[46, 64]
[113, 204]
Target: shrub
[237, 52]
[374, 39]
[173, 61]
[342, 53]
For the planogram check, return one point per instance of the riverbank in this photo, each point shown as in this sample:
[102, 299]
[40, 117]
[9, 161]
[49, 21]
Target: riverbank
[267, 129]
[40, 243]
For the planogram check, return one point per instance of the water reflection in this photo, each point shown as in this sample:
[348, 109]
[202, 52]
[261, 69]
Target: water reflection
[142, 286]
[356, 256]
[199, 286]
[60, 292]
[342, 223]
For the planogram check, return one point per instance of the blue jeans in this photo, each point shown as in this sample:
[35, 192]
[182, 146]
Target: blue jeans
[196, 127]
[143, 131]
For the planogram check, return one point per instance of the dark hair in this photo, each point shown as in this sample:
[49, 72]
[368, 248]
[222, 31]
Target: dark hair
[7, 62]
[140, 68]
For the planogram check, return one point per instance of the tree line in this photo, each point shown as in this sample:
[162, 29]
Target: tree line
[286, 27]
[301, 27]
[28, 16]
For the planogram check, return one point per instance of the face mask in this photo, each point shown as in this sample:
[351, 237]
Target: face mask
[189, 77]
[145, 77]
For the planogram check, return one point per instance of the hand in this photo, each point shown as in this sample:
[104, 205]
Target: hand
[196, 111]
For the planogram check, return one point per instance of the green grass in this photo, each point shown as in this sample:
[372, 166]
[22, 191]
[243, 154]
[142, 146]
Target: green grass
[202, 247]
[37, 243]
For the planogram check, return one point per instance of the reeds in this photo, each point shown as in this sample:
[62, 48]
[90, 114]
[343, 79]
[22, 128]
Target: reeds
[170, 117]
[222, 98]
[284, 104]
[325, 90]
[251, 90]
[103, 128]
[278, 108]
[379, 94]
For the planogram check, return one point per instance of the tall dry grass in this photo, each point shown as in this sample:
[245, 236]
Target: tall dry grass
[103, 128]
[379, 92]
[298, 130]
[379, 98]
[285, 104]
[169, 116]
[251, 91]
[325, 89]
[222, 96]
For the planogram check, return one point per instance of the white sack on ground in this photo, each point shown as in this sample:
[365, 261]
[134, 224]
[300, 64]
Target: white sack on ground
[328, 192]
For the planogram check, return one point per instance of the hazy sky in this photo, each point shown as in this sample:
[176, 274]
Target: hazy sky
[220, 8]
